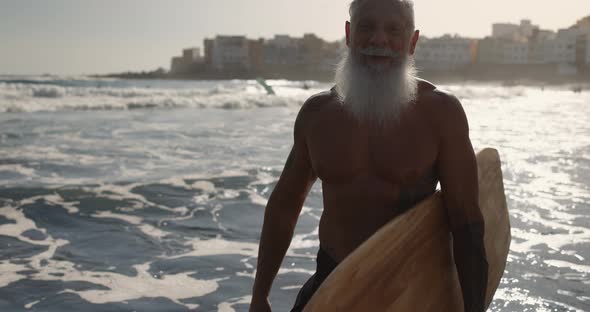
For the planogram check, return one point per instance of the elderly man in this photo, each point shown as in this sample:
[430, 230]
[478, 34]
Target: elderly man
[379, 141]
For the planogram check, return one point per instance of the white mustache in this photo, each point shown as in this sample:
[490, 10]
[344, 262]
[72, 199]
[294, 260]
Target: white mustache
[372, 51]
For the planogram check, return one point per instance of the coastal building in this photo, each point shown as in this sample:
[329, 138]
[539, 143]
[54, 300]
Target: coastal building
[516, 32]
[491, 50]
[514, 44]
[583, 25]
[504, 30]
[208, 45]
[562, 49]
[283, 50]
[230, 53]
[516, 52]
[256, 54]
[526, 44]
[522, 49]
[503, 51]
[259, 56]
[319, 54]
[583, 53]
[185, 63]
[192, 54]
[176, 65]
[331, 54]
[445, 53]
[565, 50]
[307, 53]
[311, 49]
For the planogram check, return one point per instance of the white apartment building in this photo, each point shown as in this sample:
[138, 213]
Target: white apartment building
[230, 52]
[283, 50]
[504, 30]
[567, 46]
[561, 49]
[444, 53]
[527, 44]
[505, 51]
[517, 32]
[283, 41]
[516, 53]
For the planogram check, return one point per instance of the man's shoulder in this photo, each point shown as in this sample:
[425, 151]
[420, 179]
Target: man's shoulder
[320, 101]
[431, 94]
[437, 100]
[441, 105]
[317, 103]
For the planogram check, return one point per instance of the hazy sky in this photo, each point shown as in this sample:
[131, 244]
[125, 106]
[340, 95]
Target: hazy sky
[100, 36]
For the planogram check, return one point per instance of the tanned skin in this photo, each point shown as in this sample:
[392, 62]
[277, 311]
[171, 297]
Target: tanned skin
[363, 167]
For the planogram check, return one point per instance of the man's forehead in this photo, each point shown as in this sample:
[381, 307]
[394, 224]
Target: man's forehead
[394, 9]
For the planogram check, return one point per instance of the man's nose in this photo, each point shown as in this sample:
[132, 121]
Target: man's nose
[379, 38]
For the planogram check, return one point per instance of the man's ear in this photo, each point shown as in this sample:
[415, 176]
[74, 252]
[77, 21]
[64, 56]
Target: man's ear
[414, 42]
[347, 29]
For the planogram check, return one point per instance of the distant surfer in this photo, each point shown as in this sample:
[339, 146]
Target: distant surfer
[379, 141]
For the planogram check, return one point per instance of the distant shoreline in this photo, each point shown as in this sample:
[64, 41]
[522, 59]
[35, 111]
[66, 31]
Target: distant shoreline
[500, 74]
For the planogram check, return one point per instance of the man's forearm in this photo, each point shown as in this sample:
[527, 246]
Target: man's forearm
[472, 265]
[274, 242]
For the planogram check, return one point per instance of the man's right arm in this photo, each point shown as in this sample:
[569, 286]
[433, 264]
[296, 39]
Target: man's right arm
[281, 214]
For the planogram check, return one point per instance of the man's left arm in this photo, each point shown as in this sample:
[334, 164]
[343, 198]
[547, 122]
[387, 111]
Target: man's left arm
[457, 171]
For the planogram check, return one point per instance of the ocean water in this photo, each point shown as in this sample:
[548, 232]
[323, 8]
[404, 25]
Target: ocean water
[121, 195]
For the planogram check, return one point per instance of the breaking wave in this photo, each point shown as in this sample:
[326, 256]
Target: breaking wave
[61, 95]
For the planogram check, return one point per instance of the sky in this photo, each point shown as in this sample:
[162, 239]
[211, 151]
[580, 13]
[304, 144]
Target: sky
[71, 37]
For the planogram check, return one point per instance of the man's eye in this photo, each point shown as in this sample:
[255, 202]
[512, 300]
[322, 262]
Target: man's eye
[365, 27]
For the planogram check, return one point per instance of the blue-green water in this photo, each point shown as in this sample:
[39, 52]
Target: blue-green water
[149, 195]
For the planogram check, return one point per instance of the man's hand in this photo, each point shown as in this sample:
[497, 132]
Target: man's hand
[260, 305]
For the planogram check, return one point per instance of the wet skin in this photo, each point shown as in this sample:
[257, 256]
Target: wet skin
[367, 173]
[371, 174]
[365, 170]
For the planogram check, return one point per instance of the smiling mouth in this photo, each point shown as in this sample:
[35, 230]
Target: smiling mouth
[378, 58]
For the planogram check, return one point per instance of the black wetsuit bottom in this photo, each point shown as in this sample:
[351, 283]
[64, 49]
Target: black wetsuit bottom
[324, 266]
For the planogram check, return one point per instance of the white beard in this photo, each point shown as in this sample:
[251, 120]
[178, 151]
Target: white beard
[375, 95]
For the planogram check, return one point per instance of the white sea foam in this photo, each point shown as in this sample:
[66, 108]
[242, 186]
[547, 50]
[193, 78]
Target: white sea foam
[20, 225]
[219, 246]
[522, 299]
[123, 288]
[227, 306]
[565, 264]
[31, 304]
[26, 172]
[23, 97]
[10, 273]
[146, 228]
[119, 287]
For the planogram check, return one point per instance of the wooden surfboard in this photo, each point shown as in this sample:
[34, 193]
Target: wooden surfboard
[408, 264]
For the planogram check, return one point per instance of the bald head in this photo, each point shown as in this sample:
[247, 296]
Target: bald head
[406, 8]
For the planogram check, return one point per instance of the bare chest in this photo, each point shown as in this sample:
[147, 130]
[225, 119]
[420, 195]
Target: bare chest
[342, 151]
